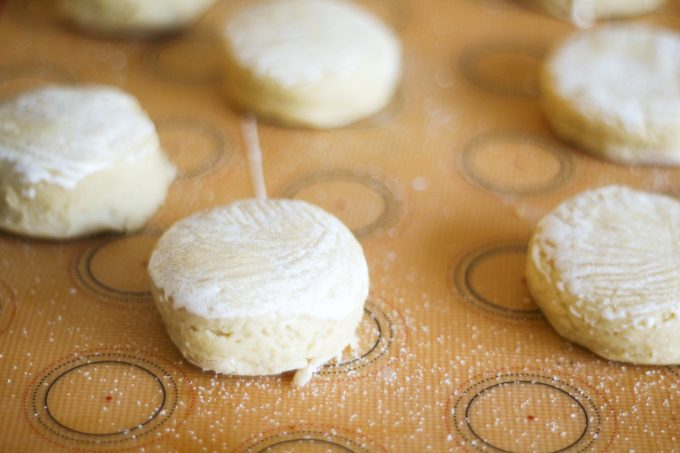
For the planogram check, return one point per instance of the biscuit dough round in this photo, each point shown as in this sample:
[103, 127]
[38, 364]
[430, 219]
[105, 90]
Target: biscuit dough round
[260, 287]
[78, 160]
[584, 12]
[315, 63]
[615, 91]
[604, 267]
[133, 16]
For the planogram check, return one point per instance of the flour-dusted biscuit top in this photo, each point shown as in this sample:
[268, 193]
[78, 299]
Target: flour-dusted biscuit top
[260, 287]
[133, 16]
[584, 12]
[604, 267]
[615, 91]
[319, 63]
[75, 160]
[62, 134]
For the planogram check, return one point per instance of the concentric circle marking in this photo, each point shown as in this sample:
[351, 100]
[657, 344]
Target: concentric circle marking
[115, 268]
[108, 400]
[517, 412]
[492, 279]
[191, 60]
[114, 418]
[364, 203]
[194, 146]
[7, 307]
[516, 164]
[384, 116]
[20, 77]
[310, 444]
[507, 395]
[377, 331]
[503, 68]
[309, 440]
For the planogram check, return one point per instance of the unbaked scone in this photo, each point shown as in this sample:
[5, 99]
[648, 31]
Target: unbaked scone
[78, 160]
[604, 267]
[316, 63]
[615, 91]
[584, 12]
[133, 16]
[259, 287]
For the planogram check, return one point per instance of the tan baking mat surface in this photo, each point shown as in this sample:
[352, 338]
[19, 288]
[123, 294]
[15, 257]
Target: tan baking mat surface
[443, 189]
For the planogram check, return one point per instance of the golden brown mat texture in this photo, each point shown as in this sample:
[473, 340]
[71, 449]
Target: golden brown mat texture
[443, 189]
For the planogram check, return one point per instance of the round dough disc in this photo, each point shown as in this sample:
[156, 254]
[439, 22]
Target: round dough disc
[317, 63]
[260, 287]
[133, 16]
[604, 267]
[584, 12]
[78, 160]
[615, 91]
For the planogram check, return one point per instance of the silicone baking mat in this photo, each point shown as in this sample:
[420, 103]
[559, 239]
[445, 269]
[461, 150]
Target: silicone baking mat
[443, 189]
